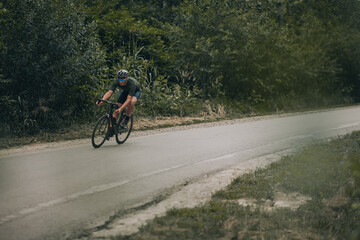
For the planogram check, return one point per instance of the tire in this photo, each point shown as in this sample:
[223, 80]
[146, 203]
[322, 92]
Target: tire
[100, 130]
[122, 135]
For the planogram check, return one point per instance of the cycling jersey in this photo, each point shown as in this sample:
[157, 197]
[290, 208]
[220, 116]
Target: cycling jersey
[129, 89]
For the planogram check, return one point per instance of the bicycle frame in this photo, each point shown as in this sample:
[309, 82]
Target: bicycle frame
[110, 112]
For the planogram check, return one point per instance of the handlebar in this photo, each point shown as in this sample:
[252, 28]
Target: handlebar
[111, 103]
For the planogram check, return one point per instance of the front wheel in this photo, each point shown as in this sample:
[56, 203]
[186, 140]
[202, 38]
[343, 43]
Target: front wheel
[100, 130]
[122, 133]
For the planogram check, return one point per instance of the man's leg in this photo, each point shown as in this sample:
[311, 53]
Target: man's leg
[133, 100]
[131, 106]
[116, 115]
[129, 110]
[120, 102]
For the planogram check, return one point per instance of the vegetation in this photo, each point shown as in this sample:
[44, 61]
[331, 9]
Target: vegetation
[49, 59]
[326, 173]
[57, 56]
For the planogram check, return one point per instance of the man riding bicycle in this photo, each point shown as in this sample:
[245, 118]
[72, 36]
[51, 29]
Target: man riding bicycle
[128, 97]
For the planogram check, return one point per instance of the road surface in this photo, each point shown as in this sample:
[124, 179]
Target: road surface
[51, 194]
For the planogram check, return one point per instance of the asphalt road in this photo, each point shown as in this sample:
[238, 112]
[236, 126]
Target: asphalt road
[51, 194]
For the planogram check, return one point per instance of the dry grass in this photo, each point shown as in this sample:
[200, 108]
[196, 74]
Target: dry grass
[84, 131]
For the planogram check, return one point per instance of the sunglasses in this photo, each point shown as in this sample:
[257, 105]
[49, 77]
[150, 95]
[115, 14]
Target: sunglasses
[121, 80]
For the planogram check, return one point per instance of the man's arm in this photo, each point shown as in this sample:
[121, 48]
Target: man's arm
[105, 97]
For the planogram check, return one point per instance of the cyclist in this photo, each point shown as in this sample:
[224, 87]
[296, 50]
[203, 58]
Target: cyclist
[128, 97]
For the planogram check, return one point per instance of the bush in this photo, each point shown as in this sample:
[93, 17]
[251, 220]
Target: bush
[49, 55]
[158, 95]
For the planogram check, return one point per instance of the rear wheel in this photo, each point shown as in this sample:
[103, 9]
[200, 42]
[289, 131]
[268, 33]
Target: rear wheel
[123, 133]
[100, 131]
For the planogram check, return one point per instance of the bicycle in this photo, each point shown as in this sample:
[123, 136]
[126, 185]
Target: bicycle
[107, 126]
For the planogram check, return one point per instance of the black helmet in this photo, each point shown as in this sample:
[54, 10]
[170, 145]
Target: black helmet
[122, 74]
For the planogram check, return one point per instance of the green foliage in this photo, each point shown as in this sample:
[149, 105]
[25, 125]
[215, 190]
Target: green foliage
[257, 62]
[263, 55]
[169, 99]
[159, 96]
[124, 25]
[50, 54]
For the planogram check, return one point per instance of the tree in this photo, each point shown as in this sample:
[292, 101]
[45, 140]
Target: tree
[51, 55]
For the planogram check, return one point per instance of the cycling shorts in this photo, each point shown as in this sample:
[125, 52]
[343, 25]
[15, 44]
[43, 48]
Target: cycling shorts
[123, 96]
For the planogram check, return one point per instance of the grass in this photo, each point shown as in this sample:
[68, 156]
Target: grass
[84, 130]
[323, 172]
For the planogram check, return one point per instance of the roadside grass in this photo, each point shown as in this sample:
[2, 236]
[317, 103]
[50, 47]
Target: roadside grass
[84, 130]
[326, 174]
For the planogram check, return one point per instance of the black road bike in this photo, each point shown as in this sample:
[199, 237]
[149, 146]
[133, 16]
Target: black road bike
[107, 126]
